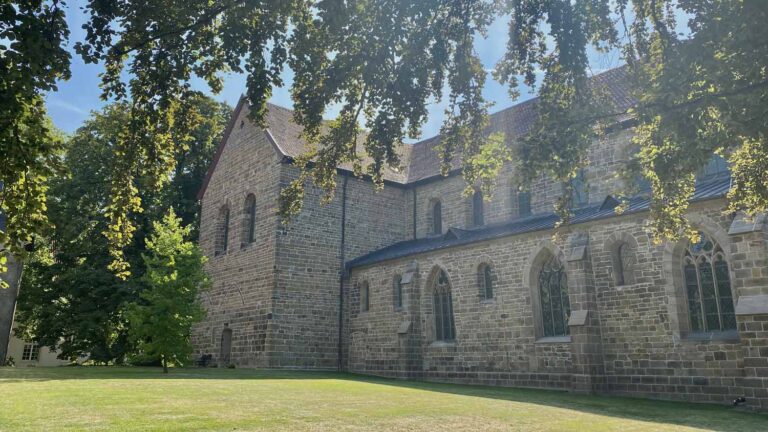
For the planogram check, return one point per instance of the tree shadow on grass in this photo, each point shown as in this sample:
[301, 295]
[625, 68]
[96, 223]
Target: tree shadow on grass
[59, 373]
[711, 417]
[695, 415]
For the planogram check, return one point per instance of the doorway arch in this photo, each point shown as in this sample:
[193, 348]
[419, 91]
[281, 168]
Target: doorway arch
[226, 346]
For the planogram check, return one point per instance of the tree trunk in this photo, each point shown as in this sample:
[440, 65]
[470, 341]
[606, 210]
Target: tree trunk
[165, 365]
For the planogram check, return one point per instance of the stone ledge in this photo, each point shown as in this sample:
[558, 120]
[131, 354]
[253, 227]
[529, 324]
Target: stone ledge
[578, 318]
[728, 336]
[744, 224]
[404, 327]
[553, 339]
[443, 344]
[752, 305]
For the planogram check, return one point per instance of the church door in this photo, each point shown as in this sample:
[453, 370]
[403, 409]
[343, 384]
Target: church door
[226, 346]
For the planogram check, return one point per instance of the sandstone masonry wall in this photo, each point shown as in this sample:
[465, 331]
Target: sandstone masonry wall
[279, 298]
[607, 155]
[496, 341]
[243, 277]
[309, 264]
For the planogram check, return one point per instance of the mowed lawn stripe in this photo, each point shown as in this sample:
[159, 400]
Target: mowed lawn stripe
[115, 398]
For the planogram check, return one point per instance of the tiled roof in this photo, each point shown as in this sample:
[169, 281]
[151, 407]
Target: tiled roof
[705, 189]
[286, 135]
[517, 121]
[419, 161]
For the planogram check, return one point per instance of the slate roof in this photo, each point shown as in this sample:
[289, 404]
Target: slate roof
[708, 188]
[286, 135]
[517, 121]
[419, 160]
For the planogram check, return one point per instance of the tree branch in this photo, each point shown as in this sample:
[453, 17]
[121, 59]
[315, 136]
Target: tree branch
[664, 107]
[204, 19]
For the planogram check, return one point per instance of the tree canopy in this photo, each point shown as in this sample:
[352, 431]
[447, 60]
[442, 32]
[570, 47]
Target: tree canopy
[161, 322]
[69, 298]
[382, 62]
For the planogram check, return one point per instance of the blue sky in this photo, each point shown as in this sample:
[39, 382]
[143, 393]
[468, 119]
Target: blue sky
[72, 103]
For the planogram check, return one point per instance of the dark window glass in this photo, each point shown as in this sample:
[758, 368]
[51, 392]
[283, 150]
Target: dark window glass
[486, 282]
[619, 268]
[643, 184]
[437, 218]
[723, 281]
[708, 287]
[717, 165]
[692, 289]
[398, 292]
[523, 203]
[708, 294]
[250, 203]
[31, 352]
[553, 296]
[477, 209]
[225, 243]
[444, 326]
[365, 297]
[580, 191]
[222, 237]
[624, 265]
[437, 300]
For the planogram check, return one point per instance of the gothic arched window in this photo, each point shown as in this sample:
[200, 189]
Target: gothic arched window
[485, 281]
[397, 288]
[477, 209]
[444, 326]
[437, 218]
[553, 296]
[250, 218]
[708, 286]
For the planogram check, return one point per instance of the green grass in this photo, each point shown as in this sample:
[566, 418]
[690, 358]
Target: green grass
[101, 398]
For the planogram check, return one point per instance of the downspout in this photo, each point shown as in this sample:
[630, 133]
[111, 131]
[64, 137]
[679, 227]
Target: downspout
[414, 212]
[342, 269]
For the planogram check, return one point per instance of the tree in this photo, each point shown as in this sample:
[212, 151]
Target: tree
[69, 298]
[32, 58]
[192, 163]
[161, 322]
[701, 95]
[383, 61]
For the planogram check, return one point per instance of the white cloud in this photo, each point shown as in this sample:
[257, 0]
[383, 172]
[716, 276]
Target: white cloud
[58, 103]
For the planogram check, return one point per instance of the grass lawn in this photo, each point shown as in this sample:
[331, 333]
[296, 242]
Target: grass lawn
[101, 398]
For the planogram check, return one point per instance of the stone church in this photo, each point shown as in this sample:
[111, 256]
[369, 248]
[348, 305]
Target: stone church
[419, 281]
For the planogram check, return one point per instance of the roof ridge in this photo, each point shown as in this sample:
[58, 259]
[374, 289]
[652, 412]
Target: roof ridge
[530, 100]
[419, 161]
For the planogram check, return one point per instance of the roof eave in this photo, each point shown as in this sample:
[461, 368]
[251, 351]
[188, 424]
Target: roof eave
[349, 265]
